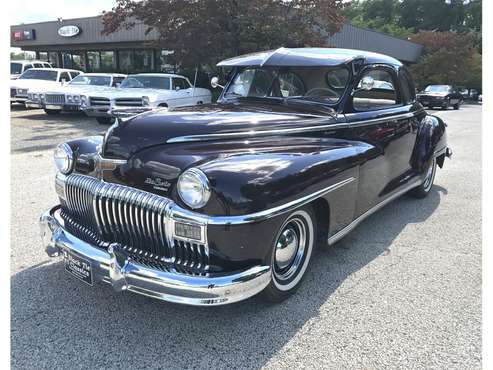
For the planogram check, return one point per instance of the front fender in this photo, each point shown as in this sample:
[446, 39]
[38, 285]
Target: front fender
[256, 181]
[431, 139]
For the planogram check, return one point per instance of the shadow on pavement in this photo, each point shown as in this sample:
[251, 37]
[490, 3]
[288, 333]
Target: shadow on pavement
[58, 321]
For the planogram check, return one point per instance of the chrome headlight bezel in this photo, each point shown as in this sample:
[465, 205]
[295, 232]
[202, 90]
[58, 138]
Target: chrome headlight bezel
[64, 158]
[83, 101]
[194, 188]
[145, 101]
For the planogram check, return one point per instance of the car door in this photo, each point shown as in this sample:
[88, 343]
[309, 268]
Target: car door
[182, 92]
[383, 116]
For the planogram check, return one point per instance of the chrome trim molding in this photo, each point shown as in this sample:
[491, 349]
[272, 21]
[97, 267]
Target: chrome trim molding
[180, 214]
[343, 232]
[249, 134]
[115, 268]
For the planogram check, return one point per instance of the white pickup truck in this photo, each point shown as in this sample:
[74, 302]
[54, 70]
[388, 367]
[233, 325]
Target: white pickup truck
[18, 67]
[141, 92]
[67, 98]
[38, 79]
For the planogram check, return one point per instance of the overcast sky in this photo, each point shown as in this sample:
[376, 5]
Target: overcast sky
[31, 11]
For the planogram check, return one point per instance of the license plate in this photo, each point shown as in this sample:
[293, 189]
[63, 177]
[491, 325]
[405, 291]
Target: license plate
[53, 106]
[78, 267]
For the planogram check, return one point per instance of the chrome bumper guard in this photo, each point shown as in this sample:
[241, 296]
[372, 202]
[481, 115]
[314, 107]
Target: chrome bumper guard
[126, 112]
[115, 268]
[33, 104]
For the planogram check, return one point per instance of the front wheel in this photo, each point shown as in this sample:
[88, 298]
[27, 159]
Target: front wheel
[424, 189]
[105, 120]
[291, 254]
[457, 105]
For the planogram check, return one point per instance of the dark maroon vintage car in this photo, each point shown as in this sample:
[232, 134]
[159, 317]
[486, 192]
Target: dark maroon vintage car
[213, 204]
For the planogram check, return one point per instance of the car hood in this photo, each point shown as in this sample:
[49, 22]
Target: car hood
[208, 123]
[73, 89]
[130, 92]
[33, 84]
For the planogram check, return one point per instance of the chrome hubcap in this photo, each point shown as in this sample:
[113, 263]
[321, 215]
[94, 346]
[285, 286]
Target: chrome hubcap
[290, 249]
[286, 248]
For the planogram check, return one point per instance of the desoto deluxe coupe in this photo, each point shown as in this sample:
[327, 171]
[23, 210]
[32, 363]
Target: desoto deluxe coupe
[212, 204]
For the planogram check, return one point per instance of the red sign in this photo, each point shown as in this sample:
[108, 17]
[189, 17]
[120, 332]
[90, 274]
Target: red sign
[24, 35]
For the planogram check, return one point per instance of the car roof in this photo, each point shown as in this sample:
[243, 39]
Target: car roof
[27, 61]
[55, 69]
[307, 57]
[157, 74]
[104, 74]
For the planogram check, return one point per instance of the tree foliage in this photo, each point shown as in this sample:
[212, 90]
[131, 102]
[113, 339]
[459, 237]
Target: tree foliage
[202, 32]
[448, 57]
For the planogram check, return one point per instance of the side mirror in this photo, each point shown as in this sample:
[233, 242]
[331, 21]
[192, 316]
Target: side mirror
[367, 83]
[215, 83]
[64, 81]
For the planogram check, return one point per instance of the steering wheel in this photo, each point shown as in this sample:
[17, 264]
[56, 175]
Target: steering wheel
[322, 92]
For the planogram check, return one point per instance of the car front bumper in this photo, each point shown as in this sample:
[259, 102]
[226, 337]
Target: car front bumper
[97, 111]
[113, 267]
[63, 107]
[33, 104]
[18, 99]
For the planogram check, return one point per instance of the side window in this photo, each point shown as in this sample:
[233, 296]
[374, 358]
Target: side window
[27, 66]
[117, 81]
[74, 74]
[180, 83]
[381, 95]
[64, 76]
[47, 65]
[38, 65]
[408, 89]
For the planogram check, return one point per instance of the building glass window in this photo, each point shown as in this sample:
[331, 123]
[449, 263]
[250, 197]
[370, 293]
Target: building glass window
[164, 61]
[53, 59]
[126, 61]
[93, 61]
[108, 61]
[78, 62]
[143, 60]
[43, 55]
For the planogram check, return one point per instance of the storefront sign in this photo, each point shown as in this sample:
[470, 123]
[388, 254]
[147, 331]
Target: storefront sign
[68, 31]
[24, 35]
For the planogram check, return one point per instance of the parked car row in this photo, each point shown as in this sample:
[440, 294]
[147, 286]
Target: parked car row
[103, 95]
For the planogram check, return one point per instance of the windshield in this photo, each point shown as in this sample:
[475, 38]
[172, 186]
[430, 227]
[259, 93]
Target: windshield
[38, 74]
[322, 84]
[15, 68]
[437, 88]
[91, 80]
[149, 82]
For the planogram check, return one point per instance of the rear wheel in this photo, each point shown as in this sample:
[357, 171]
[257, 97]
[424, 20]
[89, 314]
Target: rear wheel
[105, 120]
[52, 111]
[457, 105]
[291, 254]
[424, 189]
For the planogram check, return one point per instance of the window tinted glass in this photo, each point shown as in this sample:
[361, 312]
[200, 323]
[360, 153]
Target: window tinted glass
[15, 68]
[181, 83]
[437, 88]
[65, 76]
[91, 80]
[38, 65]
[117, 80]
[27, 66]
[408, 88]
[324, 84]
[382, 95]
[39, 74]
[152, 82]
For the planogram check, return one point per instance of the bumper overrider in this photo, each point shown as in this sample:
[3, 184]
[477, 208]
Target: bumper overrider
[113, 266]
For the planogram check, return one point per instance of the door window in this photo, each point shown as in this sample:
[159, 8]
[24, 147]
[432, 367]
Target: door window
[64, 76]
[382, 95]
[180, 84]
[117, 80]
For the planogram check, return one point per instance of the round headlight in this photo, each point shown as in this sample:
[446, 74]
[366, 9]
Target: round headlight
[193, 188]
[145, 101]
[76, 98]
[69, 98]
[64, 158]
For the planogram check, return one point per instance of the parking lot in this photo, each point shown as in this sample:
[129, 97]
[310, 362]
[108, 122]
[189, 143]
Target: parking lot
[403, 290]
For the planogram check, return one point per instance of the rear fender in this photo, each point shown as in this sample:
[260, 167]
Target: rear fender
[431, 141]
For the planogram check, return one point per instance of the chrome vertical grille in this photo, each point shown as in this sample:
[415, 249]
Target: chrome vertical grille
[135, 219]
[55, 98]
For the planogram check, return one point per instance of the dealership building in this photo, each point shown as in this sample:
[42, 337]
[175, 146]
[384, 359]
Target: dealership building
[79, 44]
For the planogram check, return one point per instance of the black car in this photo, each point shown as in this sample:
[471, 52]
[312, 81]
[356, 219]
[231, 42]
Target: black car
[442, 96]
[212, 204]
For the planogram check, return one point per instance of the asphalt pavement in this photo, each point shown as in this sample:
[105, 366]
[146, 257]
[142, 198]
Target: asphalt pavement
[402, 291]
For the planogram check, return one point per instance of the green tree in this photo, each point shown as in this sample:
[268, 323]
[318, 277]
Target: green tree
[202, 32]
[448, 58]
